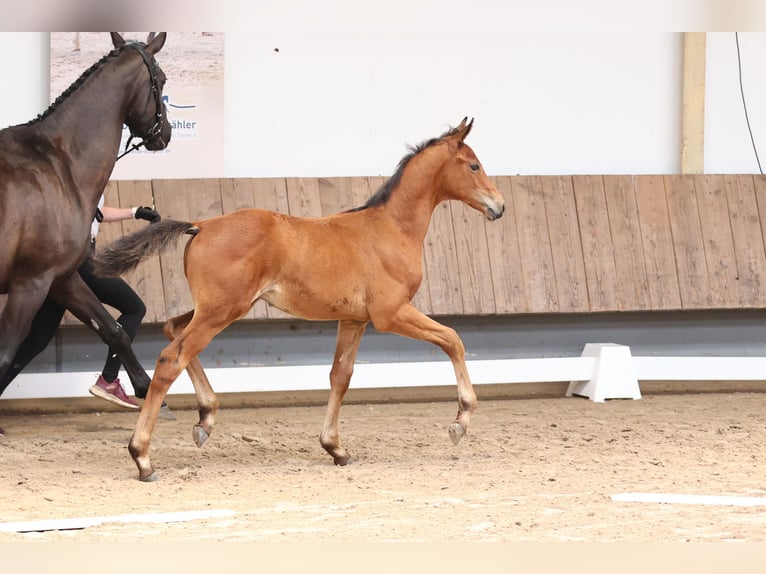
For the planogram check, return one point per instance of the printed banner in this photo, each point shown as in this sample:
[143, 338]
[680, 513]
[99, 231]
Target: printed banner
[194, 65]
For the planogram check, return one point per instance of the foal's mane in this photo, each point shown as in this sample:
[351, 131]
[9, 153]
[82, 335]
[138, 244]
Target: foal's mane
[79, 82]
[384, 192]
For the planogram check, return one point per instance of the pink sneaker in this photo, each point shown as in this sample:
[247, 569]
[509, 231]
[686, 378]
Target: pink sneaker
[112, 392]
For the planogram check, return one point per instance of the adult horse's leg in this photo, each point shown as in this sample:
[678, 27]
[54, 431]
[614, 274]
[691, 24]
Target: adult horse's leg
[173, 359]
[24, 300]
[44, 325]
[350, 334]
[76, 296]
[410, 322]
[207, 402]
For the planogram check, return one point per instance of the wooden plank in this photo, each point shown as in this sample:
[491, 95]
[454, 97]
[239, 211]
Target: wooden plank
[236, 194]
[534, 244]
[717, 241]
[173, 203]
[335, 194]
[441, 264]
[693, 103]
[693, 283]
[657, 241]
[566, 247]
[759, 188]
[597, 244]
[361, 189]
[503, 246]
[748, 239]
[146, 279]
[627, 247]
[303, 197]
[474, 267]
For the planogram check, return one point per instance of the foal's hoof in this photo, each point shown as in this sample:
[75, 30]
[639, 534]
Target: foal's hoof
[456, 432]
[200, 435]
[153, 477]
[341, 460]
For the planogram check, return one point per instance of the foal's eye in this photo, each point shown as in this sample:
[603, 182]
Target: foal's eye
[474, 167]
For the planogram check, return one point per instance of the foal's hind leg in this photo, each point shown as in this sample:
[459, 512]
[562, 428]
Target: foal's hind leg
[207, 402]
[410, 322]
[350, 334]
[172, 360]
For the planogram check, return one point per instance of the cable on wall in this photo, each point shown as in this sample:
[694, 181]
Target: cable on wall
[744, 105]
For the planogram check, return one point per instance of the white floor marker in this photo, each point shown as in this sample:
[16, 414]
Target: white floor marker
[689, 499]
[80, 523]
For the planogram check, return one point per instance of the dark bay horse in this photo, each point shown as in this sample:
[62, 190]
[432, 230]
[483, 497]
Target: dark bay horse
[53, 171]
[356, 267]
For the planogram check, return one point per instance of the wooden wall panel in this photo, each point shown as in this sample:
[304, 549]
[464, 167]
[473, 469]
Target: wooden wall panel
[748, 240]
[173, 200]
[503, 246]
[566, 243]
[146, 279]
[657, 242]
[717, 241]
[597, 246]
[474, 269]
[693, 284]
[441, 264]
[566, 246]
[534, 244]
[303, 197]
[626, 244]
[335, 194]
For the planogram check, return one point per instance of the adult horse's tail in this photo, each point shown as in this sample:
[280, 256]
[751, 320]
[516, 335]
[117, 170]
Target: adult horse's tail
[125, 253]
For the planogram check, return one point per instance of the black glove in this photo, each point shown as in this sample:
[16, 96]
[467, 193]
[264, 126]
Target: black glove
[148, 214]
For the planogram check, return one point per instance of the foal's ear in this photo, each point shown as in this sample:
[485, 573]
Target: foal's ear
[117, 40]
[461, 131]
[155, 43]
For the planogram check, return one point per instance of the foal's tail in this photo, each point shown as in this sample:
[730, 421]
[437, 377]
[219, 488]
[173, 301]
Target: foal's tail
[128, 251]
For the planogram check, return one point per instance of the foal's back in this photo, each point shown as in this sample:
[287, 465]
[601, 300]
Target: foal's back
[325, 268]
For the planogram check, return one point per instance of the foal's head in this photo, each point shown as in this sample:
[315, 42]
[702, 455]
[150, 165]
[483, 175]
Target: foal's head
[463, 178]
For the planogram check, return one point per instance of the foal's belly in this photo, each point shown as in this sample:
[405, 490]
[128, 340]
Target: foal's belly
[308, 304]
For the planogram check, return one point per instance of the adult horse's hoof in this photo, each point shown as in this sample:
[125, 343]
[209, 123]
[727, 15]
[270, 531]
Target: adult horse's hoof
[200, 435]
[456, 432]
[153, 477]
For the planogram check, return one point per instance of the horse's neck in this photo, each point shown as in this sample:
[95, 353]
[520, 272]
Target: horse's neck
[86, 127]
[413, 201]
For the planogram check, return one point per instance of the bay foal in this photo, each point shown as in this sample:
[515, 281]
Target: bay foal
[356, 267]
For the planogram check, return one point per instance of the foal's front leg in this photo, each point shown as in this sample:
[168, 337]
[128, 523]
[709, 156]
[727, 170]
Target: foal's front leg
[350, 334]
[410, 322]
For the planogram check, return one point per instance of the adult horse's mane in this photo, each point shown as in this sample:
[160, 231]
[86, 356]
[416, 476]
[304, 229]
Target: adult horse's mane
[384, 192]
[77, 83]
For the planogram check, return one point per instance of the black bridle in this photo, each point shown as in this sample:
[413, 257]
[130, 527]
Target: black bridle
[160, 112]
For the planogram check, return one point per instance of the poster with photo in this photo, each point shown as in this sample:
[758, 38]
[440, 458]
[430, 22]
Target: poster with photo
[194, 65]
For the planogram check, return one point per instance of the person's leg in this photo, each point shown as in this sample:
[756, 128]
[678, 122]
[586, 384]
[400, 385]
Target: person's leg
[118, 294]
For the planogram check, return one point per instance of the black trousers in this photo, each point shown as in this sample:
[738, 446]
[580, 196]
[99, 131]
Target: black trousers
[111, 291]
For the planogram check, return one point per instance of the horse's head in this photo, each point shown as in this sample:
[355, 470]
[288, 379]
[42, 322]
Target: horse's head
[463, 178]
[147, 113]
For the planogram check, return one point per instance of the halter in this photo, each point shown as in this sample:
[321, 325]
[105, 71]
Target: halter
[160, 113]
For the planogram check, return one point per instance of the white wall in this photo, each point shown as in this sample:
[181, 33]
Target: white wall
[341, 100]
